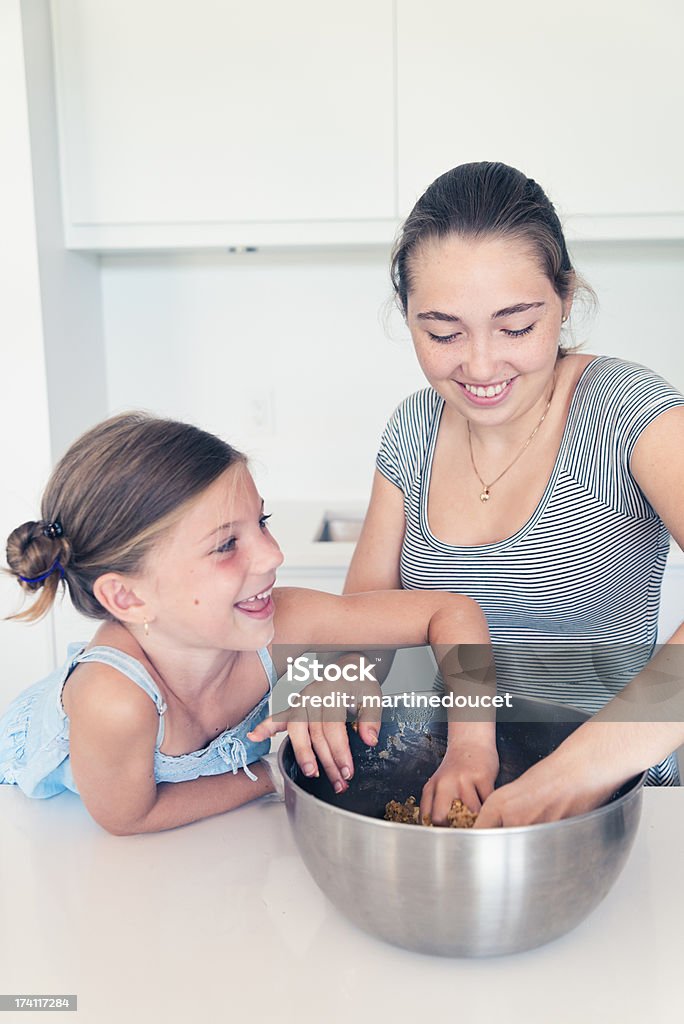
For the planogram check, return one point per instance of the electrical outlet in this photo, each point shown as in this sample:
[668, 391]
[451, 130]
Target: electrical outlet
[261, 413]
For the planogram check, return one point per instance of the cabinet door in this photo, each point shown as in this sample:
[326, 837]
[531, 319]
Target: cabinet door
[174, 113]
[587, 99]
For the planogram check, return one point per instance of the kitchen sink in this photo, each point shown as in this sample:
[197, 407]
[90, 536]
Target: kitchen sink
[340, 527]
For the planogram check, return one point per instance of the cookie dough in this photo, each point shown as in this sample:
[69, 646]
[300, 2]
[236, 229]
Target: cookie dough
[408, 813]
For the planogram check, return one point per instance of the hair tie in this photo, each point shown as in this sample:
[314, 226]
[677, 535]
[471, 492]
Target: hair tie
[39, 579]
[53, 530]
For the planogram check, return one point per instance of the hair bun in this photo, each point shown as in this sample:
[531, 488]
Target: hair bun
[36, 556]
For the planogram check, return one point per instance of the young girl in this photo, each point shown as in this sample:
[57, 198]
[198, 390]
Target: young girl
[156, 528]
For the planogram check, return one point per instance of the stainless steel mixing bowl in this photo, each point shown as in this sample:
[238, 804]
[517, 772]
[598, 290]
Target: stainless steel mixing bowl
[456, 892]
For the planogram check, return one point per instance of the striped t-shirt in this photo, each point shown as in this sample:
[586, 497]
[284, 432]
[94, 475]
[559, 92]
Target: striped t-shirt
[572, 597]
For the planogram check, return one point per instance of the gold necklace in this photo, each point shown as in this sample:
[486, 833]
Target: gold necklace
[486, 488]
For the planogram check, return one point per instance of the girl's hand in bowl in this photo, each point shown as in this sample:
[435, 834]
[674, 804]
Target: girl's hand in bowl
[319, 734]
[467, 773]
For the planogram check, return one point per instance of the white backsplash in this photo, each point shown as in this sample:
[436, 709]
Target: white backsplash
[288, 357]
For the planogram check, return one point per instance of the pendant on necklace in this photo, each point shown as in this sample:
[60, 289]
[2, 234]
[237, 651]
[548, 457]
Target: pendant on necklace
[485, 495]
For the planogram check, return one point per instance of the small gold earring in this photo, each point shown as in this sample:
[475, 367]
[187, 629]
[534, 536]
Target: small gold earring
[564, 320]
[146, 627]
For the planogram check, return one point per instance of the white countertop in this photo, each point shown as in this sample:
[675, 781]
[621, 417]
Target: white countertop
[220, 921]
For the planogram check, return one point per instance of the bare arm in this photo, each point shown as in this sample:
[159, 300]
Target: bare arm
[375, 563]
[471, 763]
[113, 730]
[399, 618]
[309, 619]
[374, 566]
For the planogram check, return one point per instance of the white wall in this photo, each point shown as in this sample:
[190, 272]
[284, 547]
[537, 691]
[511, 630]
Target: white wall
[206, 337]
[24, 428]
[51, 347]
[70, 281]
[639, 287]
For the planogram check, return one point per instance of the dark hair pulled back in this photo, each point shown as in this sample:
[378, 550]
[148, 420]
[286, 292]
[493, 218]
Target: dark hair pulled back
[486, 199]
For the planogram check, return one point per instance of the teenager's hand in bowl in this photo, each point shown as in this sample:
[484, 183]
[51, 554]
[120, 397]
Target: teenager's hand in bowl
[562, 785]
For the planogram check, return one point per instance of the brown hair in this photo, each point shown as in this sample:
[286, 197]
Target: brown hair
[113, 494]
[480, 199]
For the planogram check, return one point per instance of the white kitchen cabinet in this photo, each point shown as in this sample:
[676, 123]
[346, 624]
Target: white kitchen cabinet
[586, 99]
[225, 123]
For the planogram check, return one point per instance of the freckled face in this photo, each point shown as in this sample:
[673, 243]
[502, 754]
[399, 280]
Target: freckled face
[209, 580]
[485, 321]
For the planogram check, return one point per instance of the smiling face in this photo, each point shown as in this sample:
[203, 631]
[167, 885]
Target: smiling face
[208, 582]
[485, 322]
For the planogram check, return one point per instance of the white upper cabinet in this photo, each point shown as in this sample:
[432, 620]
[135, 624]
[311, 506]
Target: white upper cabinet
[586, 98]
[220, 122]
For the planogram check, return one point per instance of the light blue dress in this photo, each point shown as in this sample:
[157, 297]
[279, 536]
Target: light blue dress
[34, 731]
